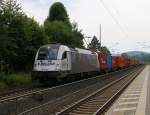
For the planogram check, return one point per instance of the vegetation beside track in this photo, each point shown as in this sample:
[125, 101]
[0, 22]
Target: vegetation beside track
[9, 81]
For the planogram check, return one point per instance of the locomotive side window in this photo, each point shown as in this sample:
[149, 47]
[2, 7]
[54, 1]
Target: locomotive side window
[64, 56]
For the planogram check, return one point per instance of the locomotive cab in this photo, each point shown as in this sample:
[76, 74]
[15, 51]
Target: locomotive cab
[51, 61]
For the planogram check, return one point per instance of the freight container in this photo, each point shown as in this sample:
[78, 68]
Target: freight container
[102, 61]
[121, 62]
[109, 62]
[132, 62]
[114, 62]
[127, 62]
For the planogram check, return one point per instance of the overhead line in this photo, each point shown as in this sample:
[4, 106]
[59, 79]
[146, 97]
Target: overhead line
[113, 6]
[115, 20]
[117, 12]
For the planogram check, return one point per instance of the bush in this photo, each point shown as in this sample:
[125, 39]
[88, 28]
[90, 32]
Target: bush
[14, 80]
[3, 86]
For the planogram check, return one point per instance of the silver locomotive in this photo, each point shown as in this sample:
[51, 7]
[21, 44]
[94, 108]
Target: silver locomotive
[55, 62]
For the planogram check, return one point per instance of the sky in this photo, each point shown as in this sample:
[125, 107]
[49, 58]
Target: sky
[125, 23]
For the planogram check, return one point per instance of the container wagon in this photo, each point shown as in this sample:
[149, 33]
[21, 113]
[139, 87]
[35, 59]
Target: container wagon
[102, 62]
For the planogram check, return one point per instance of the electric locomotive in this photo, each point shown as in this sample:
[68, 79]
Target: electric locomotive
[55, 62]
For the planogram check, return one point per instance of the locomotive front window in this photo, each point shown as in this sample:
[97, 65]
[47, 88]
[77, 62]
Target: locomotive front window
[47, 54]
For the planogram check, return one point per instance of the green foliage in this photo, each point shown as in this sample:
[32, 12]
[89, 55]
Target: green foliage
[105, 50]
[95, 44]
[58, 12]
[3, 86]
[77, 36]
[20, 36]
[59, 32]
[59, 29]
[13, 80]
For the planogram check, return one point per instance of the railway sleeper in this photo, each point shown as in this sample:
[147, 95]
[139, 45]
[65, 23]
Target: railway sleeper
[78, 114]
[87, 109]
[91, 105]
[99, 99]
[38, 96]
[82, 112]
[102, 96]
[96, 101]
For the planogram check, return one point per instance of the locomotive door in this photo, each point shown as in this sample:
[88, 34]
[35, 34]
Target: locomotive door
[69, 60]
[66, 61]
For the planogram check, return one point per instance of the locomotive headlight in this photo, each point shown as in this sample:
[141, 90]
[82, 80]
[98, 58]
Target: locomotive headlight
[35, 67]
[57, 67]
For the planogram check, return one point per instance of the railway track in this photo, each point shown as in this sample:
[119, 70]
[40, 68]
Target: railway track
[12, 94]
[99, 101]
[24, 101]
[16, 92]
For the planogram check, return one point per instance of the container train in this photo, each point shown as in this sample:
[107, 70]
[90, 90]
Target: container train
[54, 62]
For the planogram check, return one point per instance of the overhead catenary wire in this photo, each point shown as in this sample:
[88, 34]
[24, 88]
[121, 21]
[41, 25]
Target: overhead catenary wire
[115, 20]
[116, 11]
[114, 7]
[85, 42]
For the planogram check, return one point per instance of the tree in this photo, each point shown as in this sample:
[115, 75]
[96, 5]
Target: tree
[58, 32]
[105, 50]
[59, 28]
[20, 36]
[77, 36]
[9, 14]
[95, 44]
[58, 12]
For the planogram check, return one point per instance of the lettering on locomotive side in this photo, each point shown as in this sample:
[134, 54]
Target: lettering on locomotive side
[47, 63]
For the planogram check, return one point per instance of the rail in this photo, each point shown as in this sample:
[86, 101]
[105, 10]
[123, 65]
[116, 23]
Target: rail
[105, 105]
[43, 91]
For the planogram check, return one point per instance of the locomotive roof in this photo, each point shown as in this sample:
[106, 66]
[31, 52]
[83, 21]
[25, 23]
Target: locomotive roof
[51, 45]
[84, 51]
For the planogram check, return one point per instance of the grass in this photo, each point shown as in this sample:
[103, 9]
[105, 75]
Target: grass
[3, 86]
[14, 80]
